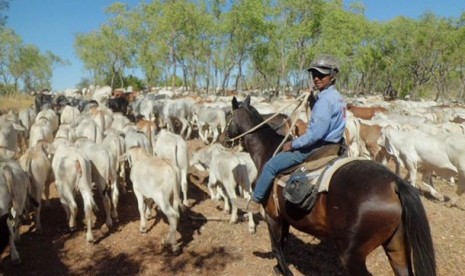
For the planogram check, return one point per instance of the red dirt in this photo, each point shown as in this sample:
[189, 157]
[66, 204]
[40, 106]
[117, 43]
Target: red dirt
[208, 247]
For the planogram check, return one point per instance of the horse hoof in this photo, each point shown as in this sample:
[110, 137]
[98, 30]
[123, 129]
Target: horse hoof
[278, 271]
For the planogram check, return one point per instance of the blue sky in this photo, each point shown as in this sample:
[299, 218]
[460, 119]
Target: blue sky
[52, 25]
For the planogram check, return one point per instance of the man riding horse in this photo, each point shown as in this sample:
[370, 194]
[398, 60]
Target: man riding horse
[326, 126]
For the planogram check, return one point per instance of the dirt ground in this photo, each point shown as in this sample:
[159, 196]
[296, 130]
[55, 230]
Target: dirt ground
[213, 247]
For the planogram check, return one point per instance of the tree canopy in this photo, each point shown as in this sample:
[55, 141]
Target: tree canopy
[211, 45]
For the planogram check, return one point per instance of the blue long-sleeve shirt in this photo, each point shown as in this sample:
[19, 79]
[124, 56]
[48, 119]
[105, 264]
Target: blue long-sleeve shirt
[327, 122]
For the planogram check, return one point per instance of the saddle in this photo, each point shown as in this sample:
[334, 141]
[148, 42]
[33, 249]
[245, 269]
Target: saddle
[302, 182]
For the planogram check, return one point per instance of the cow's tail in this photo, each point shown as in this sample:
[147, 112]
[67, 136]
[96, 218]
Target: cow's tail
[28, 169]
[8, 174]
[177, 185]
[83, 172]
[416, 230]
[177, 190]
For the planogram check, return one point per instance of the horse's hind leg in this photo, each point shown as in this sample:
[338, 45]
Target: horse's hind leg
[398, 254]
[278, 235]
[355, 263]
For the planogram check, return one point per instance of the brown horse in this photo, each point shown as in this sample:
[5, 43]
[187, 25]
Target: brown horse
[367, 206]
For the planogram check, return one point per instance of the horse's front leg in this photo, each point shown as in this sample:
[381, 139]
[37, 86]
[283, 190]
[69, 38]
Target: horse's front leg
[279, 230]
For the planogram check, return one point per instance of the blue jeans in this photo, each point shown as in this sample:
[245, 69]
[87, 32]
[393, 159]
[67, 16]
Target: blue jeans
[278, 163]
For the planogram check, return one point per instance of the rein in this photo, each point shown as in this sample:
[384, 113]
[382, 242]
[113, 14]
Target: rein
[302, 98]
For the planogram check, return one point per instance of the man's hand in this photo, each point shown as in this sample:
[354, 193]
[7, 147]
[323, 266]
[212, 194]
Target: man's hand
[287, 146]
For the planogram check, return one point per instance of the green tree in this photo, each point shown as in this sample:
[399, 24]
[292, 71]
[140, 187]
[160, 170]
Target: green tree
[9, 49]
[110, 50]
[4, 5]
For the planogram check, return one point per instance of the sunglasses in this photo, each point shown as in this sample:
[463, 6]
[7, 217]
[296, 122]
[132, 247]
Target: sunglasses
[318, 74]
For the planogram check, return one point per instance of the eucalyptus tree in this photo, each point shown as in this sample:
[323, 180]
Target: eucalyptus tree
[245, 25]
[299, 27]
[33, 68]
[151, 52]
[91, 50]
[344, 34]
[441, 51]
[194, 45]
[458, 45]
[163, 27]
[10, 43]
[414, 57]
[108, 51]
[4, 5]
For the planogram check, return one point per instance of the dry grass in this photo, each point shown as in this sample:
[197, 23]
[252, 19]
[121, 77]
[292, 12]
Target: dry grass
[15, 102]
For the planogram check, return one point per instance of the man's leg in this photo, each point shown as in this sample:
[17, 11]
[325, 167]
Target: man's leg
[274, 166]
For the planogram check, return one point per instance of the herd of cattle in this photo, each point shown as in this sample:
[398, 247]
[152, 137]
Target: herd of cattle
[86, 144]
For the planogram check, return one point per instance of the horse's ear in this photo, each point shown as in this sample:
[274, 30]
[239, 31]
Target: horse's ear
[247, 100]
[235, 103]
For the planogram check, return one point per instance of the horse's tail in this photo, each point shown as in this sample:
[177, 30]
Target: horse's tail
[417, 230]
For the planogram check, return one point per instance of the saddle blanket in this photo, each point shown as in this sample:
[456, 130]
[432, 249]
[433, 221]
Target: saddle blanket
[323, 175]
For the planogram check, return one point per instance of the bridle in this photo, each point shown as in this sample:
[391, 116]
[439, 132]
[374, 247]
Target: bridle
[235, 140]
[238, 139]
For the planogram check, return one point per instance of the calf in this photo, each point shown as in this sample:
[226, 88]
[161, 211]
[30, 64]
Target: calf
[172, 147]
[364, 112]
[9, 139]
[209, 120]
[36, 164]
[181, 110]
[233, 170]
[155, 178]
[416, 150]
[103, 175]
[14, 185]
[73, 174]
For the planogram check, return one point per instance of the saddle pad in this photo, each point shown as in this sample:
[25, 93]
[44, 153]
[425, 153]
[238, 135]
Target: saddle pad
[322, 175]
[328, 172]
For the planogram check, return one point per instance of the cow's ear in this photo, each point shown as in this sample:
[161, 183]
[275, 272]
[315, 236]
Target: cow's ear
[235, 103]
[247, 100]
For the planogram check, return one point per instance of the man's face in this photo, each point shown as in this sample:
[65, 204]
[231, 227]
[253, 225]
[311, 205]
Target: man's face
[321, 80]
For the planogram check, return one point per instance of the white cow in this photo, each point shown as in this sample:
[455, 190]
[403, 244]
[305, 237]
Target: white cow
[90, 129]
[135, 138]
[181, 110]
[103, 175]
[70, 115]
[101, 94]
[14, 184]
[73, 174]
[416, 150]
[42, 129]
[51, 116]
[114, 144]
[209, 121]
[157, 179]
[36, 164]
[9, 139]
[172, 147]
[27, 117]
[233, 170]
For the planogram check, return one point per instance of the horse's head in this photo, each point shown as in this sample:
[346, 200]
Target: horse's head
[243, 117]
